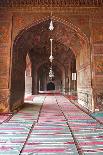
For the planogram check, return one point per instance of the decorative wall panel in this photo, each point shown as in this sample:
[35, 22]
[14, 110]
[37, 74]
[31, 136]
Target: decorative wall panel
[5, 44]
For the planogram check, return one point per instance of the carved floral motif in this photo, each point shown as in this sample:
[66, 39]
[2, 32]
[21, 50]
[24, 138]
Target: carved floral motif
[19, 21]
[98, 65]
[98, 33]
[98, 49]
[4, 34]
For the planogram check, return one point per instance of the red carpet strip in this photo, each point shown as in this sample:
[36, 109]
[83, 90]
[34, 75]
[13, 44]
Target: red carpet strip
[5, 117]
[14, 133]
[87, 131]
[51, 126]
[51, 135]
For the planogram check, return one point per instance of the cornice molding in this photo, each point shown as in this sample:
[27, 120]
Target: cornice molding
[60, 3]
[59, 10]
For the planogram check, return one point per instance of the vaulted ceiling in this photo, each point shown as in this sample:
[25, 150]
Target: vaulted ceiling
[38, 36]
[12, 3]
[37, 41]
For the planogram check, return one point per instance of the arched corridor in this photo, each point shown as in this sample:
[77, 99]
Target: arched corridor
[51, 77]
[34, 53]
[51, 124]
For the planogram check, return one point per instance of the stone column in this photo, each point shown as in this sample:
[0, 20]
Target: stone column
[34, 81]
[5, 47]
[63, 82]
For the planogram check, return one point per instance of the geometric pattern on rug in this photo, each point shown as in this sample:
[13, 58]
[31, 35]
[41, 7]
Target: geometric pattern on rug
[13, 133]
[4, 117]
[98, 116]
[51, 134]
[51, 125]
[87, 130]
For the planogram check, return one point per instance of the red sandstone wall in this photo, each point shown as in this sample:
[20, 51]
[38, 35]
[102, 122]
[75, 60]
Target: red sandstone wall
[22, 20]
[5, 45]
[97, 55]
[17, 78]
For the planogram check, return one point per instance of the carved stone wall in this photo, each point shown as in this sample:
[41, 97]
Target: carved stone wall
[60, 3]
[5, 45]
[77, 43]
[97, 55]
[17, 77]
[86, 43]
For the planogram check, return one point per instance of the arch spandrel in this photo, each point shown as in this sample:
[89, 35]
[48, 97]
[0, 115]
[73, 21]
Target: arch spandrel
[73, 37]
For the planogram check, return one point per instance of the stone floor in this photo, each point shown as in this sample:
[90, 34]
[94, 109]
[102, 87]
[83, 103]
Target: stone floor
[50, 125]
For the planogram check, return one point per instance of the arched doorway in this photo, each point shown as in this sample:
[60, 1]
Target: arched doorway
[50, 86]
[70, 45]
[43, 76]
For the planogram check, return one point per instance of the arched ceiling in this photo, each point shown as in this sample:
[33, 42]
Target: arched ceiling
[44, 69]
[37, 38]
[37, 41]
[11, 3]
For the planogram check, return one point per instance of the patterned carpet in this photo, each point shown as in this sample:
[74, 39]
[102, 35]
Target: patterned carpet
[98, 116]
[87, 131]
[5, 117]
[51, 125]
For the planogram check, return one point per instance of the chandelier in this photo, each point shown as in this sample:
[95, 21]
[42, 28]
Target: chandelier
[51, 58]
[51, 73]
[51, 27]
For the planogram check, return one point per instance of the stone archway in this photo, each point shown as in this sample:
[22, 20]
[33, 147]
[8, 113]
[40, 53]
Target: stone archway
[50, 86]
[43, 78]
[65, 34]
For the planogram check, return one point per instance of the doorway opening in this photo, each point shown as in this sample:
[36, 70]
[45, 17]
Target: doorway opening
[44, 82]
[50, 85]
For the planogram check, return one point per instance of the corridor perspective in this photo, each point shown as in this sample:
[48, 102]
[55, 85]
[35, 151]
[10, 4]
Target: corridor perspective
[51, 125]
[51, 77]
